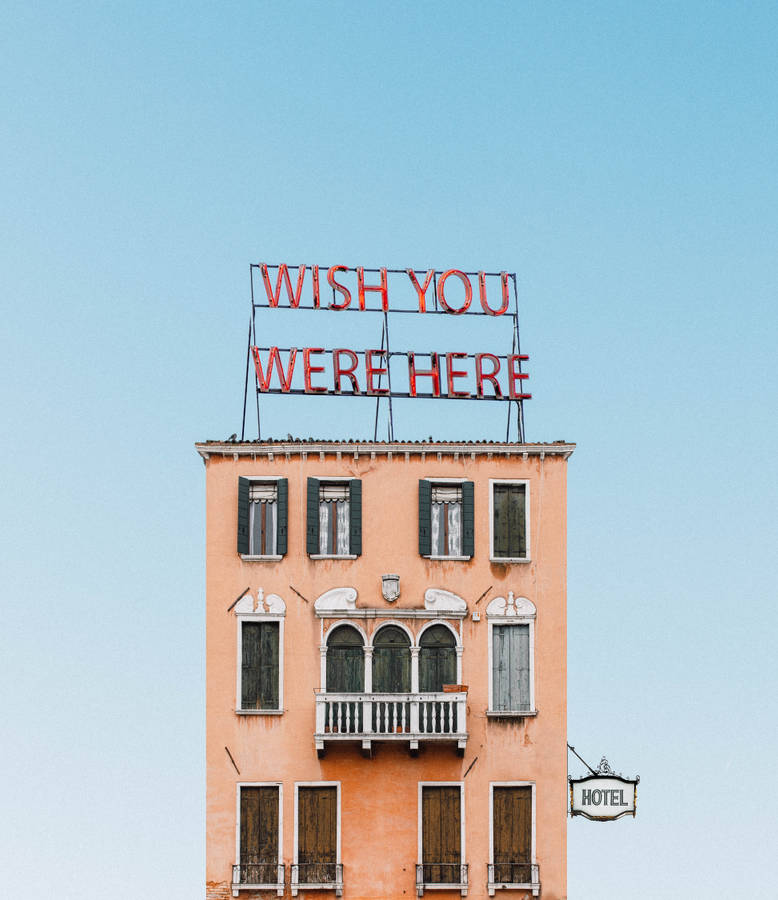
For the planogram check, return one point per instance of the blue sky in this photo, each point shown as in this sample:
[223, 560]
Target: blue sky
[619, 157]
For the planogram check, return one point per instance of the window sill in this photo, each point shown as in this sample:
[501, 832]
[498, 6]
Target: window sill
[510, 713]
[248, 557]
[259, 712]
[510, 559]
[332, 556]
[454, 558]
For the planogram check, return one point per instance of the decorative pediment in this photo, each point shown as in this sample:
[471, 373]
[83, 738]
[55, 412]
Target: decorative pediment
[337, 599]
[443, 601]
[269, 604]
[513, 606]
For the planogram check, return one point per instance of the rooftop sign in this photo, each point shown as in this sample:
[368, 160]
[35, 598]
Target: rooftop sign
[380, 371]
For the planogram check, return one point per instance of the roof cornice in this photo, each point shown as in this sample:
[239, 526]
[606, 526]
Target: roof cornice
[355, 449]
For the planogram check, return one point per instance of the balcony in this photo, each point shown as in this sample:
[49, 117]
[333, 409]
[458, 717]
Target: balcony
[317, 876]
[410, 718]
[258, 877]
[522, 876]
[441, 877]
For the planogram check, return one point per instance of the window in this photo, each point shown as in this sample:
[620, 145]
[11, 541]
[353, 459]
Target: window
[511, 656]
[317, 838]
[259, 838]
[259, 665]
[441, 837]
[437, 659]
[391, 661]
[446, 519]
[262, 517]
[334, 518]
[510, 521]
[512, 838]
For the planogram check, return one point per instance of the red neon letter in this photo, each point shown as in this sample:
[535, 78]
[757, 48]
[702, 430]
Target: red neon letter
[308, 370]
[481, 376]
[421, 290]
[433, 373]
[283, 276]
[514, 375]
[482, 291]
[468, 291]
[452, 373]
[382, 289]
[338, 371]
[371, 370]
[315, 273]
[284, 377]
[338, 287]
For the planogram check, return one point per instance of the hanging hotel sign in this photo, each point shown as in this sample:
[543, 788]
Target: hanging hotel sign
[368, 372]
[603, 796]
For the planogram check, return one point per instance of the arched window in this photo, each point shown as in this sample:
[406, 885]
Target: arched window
[345, 661]
[391, 661]
[437, 659]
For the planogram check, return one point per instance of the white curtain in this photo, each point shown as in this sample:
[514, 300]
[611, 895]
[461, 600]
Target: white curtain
[337, 512]
[343, 523]
[454, 529]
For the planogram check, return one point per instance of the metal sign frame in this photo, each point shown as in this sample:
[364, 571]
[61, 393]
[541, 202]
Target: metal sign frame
[280, 274]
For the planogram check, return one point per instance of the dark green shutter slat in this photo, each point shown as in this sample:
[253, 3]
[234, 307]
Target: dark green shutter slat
[243, 515]
[250, 671]
[468, 519]
[355, 516]
[283, 516]
[312, 517]
[425, 518]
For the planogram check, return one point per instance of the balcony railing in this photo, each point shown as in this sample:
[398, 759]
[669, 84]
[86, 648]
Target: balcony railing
[258, 876]
[322, 876]
[517, 875]
[441, 877]
[404, 717]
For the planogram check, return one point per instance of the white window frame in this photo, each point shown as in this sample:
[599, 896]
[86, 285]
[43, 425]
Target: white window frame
[259, 617]
[420, 849]
[433, 481]
[338, 859]
[253, 557]
[510, 559]
[533, 858]
[241, 784]
[335, 479]
[527, 618]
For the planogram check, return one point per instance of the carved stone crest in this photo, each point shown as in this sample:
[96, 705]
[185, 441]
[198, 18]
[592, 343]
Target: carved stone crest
[390, 587]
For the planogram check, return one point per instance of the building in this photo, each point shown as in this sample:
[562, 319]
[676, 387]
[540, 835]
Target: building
[386, 669]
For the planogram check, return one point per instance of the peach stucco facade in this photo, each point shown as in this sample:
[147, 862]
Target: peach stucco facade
[378, 780]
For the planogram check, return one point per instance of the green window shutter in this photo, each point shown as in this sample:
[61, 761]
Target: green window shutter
[283, 516]
[312, 518]
[243, 515]
[425, 518]
[259, 665]
[355, 515]
[468, 519]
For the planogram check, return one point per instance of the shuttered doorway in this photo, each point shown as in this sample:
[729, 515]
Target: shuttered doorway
[317, 834]
[512, 821]
[258, 835]
[441, 834]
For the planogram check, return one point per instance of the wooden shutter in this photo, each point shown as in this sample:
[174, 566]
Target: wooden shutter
[437, 659]
[425, 518]
[510, 667]
[512, 821]
[345, 661]
[259, 835]
[243, 515]
[283, 516]
[259, 665]
[509, 520]
[391, 661]
[355, 516]
[468, 519]
[312, 517]
[317, 834]
[441, 834]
